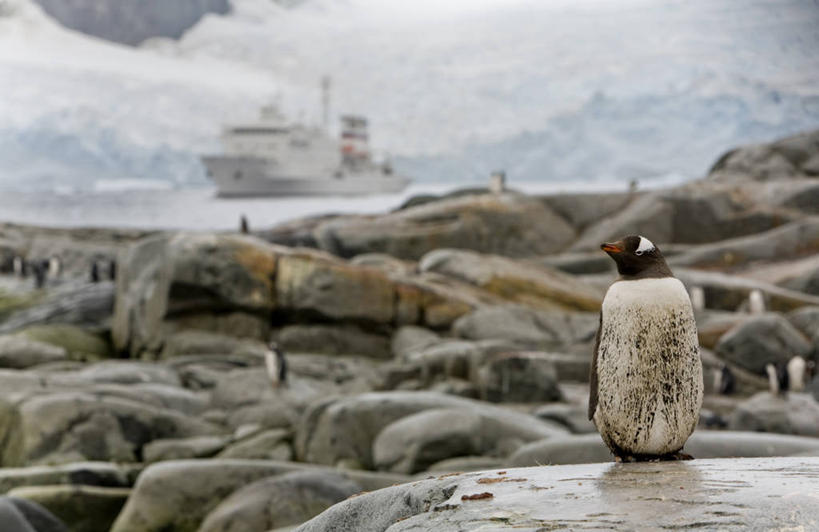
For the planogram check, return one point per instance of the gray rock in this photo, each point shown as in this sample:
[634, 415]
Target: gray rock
[806, 320]
[82, 508]
[20, 515]
[87, 305]
[267, 445]
[161, 396]
[343, 431]
[333, 340]
[19, 352]
[81, 344]
[573, 417]
[519, 377]
[466, 463]
[787, 158]
[589, 448]
[207, 343]
[527, 327]
[101, 474]
[199, 486]
[65, 427]
[413, 443]
[410, 338]
[508, 224]
[761, 340]
[579, 263]
[794, 413]
[582, 210]
[713, 494]
[182, 448]
[267, 414]
[274, 502]
[117, 372]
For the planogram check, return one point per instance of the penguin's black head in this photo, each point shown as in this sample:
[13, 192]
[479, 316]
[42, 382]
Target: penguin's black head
[637, 257]
[274, 347]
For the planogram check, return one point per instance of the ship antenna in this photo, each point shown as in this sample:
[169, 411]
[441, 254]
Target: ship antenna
[325, 102]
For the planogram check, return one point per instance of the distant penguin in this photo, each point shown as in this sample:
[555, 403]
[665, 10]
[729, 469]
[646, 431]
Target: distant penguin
[756, 302]
[40, 272]
[797, 374]
[19, 266]
[112, 270]
[244, 227]
[646, 376]
[778, 378]
[276, 366]
[95, 272]
[55, 267]
[724, 381]
[697, 298]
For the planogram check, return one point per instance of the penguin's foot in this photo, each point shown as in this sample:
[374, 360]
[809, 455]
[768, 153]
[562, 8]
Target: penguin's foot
[624, 459]
[679, 455]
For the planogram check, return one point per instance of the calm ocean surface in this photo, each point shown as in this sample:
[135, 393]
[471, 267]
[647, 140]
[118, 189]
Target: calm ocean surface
[200, 209]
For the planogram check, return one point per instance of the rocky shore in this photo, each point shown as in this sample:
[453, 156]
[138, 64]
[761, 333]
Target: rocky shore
[451, 335]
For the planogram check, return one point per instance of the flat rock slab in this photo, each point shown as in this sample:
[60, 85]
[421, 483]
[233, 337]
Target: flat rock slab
[718, 494]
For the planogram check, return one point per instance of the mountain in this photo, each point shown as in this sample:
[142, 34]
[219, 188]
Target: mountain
[546, 90]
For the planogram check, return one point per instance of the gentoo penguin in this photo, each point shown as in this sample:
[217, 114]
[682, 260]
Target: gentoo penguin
[778, 378]
[112, 270]
[19, 266]
[724, 381]
[95, 272]
[276, 366]
[55, 267]
[244, 227]
[40, 271]
[756, 302]
[797, 373]
[646, 374]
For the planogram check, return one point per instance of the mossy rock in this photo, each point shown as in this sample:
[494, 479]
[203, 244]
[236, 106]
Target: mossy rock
[10, 303]
[80, 344]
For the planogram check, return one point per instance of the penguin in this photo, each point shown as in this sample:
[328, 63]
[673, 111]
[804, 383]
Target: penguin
[725, 382]
[276, 366]
[55, 267]
[19, 266]
[112, 270]
[646, 381]
[797, 373]
[778, 378]
[95, 272]
[244, 227]
[40, 271]
[756, 302]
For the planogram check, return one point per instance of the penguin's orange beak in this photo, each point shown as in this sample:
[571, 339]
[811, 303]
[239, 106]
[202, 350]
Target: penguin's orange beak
[616, 247]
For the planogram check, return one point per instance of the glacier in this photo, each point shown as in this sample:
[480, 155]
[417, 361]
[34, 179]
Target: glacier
[548, 91]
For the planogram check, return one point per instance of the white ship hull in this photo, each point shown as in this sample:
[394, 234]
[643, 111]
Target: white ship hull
[251, 176]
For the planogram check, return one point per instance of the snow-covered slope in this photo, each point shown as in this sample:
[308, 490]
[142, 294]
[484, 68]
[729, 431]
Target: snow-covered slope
[547, 90]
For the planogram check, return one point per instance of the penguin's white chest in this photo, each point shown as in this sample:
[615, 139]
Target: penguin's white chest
[648, 367]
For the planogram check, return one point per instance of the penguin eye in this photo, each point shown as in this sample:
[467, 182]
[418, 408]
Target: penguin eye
[638, 252]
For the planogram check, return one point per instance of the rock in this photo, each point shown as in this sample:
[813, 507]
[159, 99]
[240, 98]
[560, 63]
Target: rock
[181, 448]
[519, 377]
[20, 515]
[457, 387]
[410, 338]
[89, 306]
[579, 263]
[118, 372]
[761, 340]
[465, 463]
[452, 358]
[768, 492]
[385, 263]
[275, 502]
[168, 277]
[792, 240]
[729, 292]
[268, 414]
[807, 282]
[526, 327]
[83, 508]
[788, 158]
[333, 340]
[571, 367]
[199, 486]
[71, 426]
[509, 224]
[207, 343]
[582, 210]
[806, 320]
[267, 445]
[343, 431]
[794, 413]
[101, 474]
[79, 343]
[745, 382]
[413, 443]
[18, 352]
[573, 417]
[514, 281]
[11, 440]
[713, 324]
[156, 395]
[589, 448]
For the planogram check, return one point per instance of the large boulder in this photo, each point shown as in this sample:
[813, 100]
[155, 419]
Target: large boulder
[806, 320]
[82, 508]
[762, 340]
[271, 444]
[19, 352]
[793, 157]
[520, 377]
[519, 282]
[79, 343]
[66, 427]
[343, 431]
[279, 501]
[794, 413]
[87, 305]
[650, 215]
[199, 486]
[22, 515]
[333, 340]
[102, 474]
[183, 448]
[413, 443]
[507, 224]
[769, 493]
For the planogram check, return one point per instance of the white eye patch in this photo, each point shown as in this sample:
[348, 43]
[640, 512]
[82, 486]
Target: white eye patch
[645, 246]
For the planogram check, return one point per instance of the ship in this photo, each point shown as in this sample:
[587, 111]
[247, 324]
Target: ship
[276, 157]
